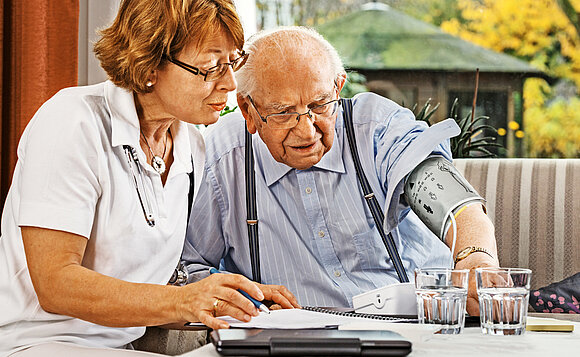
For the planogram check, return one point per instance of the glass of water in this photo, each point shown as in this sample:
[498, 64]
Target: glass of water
[441, 297]
[503, 299]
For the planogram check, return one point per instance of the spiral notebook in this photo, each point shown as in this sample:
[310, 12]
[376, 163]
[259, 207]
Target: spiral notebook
[350, 312]
[306, 318]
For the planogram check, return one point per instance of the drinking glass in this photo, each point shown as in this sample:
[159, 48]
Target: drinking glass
[441, 297]
[503, 299]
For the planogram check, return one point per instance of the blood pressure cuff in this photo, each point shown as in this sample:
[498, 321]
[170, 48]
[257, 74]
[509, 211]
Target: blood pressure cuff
[435, 190]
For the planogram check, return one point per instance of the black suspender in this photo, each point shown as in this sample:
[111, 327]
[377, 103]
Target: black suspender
[372, 202]
[252, 216]
[191, 189]
[370, 198]
[179, 276]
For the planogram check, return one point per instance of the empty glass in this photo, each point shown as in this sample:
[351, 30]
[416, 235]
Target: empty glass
[441, 297]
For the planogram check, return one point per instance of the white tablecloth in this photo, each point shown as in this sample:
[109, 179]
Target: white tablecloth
[473, 343]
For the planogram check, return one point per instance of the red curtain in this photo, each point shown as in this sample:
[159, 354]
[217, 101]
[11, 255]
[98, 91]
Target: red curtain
[38, 56]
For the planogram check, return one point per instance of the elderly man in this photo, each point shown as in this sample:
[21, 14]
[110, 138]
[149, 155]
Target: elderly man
[316, 234]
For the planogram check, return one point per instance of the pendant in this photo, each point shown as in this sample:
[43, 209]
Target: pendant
[158, 164]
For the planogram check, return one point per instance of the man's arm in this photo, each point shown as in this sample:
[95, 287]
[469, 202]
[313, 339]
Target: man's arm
[204, 242]
[474, 229]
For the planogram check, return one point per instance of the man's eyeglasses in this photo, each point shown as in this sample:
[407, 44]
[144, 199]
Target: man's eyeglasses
[290, 120]
[215, 72]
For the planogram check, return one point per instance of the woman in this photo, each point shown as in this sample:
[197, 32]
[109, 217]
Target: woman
[95, 220]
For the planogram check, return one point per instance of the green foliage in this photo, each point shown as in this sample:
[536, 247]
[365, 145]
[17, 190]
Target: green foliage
[355, 83]
[432, 11]
[426, 112]
[473, 141]
[227, 110]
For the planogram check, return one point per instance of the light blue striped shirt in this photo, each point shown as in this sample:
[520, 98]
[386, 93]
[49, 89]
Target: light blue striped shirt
[317, 236]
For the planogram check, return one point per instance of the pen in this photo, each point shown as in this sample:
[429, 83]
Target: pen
[256, 303]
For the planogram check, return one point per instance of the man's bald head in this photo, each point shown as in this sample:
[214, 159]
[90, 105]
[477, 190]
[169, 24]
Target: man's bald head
[286, 51]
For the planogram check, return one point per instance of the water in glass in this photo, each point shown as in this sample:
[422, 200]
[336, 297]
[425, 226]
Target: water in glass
[503, 310]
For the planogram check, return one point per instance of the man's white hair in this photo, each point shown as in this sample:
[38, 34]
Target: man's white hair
[282, 38]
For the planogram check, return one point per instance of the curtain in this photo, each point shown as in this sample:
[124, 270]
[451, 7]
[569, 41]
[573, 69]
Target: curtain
[38, 56]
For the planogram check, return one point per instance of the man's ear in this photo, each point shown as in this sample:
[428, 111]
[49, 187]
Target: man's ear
[244, 105]
[340, 81]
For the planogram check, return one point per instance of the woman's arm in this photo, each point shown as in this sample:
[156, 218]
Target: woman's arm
[65, 287]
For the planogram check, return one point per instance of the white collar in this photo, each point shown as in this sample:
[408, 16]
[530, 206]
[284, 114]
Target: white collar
[125, 128]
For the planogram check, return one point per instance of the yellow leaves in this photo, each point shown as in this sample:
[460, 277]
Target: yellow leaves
[539, 32]
[535, 90]
[554, 131]
[523, 26]
[452, 27]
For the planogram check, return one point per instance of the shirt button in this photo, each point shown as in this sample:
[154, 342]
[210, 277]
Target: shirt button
[321, 234]
[308, 190]
[337, 273]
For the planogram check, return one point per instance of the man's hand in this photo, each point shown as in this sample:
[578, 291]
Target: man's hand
[475, 260]
[278, 297]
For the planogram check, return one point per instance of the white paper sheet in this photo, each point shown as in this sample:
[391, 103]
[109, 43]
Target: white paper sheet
[294, 319]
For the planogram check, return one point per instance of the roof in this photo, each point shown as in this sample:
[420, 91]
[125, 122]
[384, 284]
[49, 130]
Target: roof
[384, 38]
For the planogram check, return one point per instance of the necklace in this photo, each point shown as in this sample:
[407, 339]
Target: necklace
[157, 162]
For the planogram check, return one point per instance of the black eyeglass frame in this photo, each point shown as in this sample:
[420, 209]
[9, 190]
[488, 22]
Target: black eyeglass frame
[197, 71]
[298, 115]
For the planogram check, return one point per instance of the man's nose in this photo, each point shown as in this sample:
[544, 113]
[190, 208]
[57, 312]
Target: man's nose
[305, 127]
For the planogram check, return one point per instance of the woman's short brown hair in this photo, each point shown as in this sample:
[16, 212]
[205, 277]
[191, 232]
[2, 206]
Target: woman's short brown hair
[146, 30]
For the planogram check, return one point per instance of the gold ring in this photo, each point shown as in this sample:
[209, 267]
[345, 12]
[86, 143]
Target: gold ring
[215, 306]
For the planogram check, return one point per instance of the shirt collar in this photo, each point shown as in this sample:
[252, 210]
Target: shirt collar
[125, 128]
[124, 119]
[274, 170]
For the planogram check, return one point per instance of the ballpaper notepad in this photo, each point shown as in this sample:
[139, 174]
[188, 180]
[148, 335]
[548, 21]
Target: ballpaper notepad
[310, 318]
[548, 324]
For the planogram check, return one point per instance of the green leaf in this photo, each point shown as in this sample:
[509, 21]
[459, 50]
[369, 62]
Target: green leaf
[227, 110]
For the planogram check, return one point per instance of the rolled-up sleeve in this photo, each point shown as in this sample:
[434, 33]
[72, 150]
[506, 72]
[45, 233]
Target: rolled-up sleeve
[401, 144]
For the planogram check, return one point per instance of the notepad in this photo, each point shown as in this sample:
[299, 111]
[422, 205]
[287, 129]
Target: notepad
[300, 319]
[548, 324]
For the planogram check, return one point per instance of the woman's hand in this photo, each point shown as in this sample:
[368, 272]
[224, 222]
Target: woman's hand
[218, 295]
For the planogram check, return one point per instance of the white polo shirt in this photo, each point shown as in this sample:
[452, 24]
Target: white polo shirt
[73, 175]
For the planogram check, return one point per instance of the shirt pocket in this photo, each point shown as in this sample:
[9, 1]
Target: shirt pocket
[370, 250]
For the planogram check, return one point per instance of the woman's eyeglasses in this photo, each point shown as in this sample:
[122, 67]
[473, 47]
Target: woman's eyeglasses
[215, 72]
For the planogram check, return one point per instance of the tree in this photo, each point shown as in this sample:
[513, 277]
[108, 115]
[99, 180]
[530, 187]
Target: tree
[544, 33]
[432, 11]
[303, 12]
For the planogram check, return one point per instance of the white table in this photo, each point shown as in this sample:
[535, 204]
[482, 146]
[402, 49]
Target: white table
[473, 343]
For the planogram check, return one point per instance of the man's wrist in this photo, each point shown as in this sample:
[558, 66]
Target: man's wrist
[477, 260]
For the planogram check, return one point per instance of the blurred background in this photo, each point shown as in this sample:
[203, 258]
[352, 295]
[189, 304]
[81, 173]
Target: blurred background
[508, 70]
